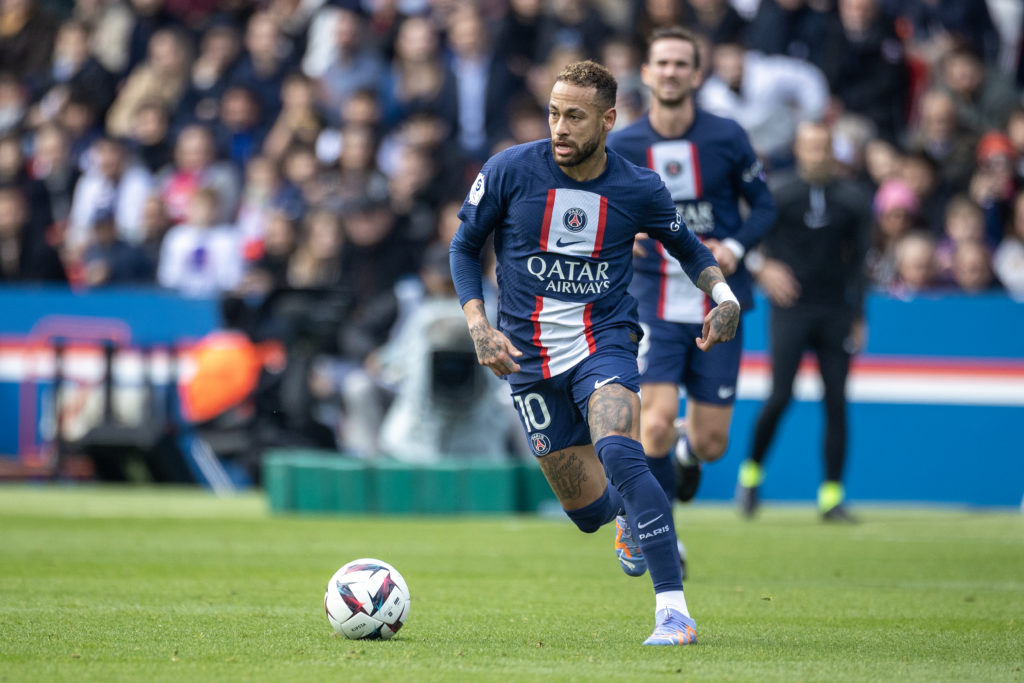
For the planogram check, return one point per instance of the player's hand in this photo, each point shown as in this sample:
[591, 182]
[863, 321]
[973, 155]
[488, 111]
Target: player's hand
[778, 282]
[727, 260]
[493, 349]
[638, 248]
[719, 325]
[858, 337]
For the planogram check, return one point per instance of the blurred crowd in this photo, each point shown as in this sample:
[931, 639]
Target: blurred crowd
[244, 146]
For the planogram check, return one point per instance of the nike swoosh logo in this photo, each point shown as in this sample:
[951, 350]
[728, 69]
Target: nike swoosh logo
[725, 392]
[560, 243]
[601, 382]
[649, 522]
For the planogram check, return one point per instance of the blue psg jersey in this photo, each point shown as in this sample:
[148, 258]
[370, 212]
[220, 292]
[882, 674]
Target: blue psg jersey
[564, 252]
[707, 171]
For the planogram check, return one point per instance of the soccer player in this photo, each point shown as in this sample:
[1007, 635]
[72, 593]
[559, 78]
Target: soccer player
[708, 166]
[564, 213]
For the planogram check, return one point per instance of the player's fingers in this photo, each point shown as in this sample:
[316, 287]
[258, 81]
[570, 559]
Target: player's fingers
[512, 351]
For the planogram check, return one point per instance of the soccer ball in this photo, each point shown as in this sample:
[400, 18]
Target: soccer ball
[367, 599]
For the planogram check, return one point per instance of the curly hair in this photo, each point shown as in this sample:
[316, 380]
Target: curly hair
[590, 74]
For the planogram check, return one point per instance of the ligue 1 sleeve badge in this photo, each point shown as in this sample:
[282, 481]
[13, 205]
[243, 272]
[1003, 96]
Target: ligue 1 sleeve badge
[476, 192]
[539, 443]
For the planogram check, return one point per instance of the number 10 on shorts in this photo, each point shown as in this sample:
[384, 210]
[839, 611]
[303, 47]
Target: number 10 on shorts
[534, 411]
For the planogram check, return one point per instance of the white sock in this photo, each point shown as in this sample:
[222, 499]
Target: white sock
[670, 600]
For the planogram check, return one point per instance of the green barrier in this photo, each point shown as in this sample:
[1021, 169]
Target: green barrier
[322, 481]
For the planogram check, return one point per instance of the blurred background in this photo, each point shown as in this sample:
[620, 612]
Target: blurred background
[224, 227]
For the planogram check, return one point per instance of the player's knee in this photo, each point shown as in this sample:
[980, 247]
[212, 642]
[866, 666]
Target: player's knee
[710, 447]
[659, 433]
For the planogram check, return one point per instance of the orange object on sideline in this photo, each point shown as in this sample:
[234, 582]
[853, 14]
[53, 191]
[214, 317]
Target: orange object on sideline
[224, 371]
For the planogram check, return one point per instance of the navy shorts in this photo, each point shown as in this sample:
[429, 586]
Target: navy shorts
[669, 353]
[553, 411]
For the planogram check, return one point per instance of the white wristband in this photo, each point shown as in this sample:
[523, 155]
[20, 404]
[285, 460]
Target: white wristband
[722, 292]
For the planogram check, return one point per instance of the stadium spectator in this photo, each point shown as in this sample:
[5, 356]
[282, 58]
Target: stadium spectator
[483, 84]
[51, 164]
[163, 77]
[268, 270]
[195, 166]
[865, 64]
[72, 69]
[149, 17]
[264, 194]
[921, 175]
[264, 63]
[1008, 261]
[933, 26]
[109, 260]
[916, 269]
[938, 135]
[964, 222]
[795, 28]
[353, 63]
[984, 97]
[299, 121]
[239, 130]
[15, 173]
[26, 37]
[150, 138]
[14, 103]
[896, 208]
[219, 49]
[813, 273]
[992, 184]
[113, 183]
[1015, 134]
[573, 24]
[418, 78]
[972, 268]
[316, 260]
[22, 257]
[155, 224]
[769, 95]
[518, 35]
[201, 257]
[716, 20]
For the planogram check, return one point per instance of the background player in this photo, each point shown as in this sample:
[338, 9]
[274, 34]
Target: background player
[564, 213]
[708, 165]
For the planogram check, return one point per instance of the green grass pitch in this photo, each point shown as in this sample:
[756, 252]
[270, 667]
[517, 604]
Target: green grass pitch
[140, 584]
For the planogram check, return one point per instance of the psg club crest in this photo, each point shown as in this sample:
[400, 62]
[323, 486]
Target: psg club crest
[574, 219]
[673, 168]
[540, 443]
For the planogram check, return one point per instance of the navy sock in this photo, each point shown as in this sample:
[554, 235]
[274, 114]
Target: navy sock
[590, 518]
[665, 472]
[647, 509]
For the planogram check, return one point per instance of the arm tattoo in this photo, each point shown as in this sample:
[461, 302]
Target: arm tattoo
[486, 346]
[610, 411]
[709, 277]
[565, 473]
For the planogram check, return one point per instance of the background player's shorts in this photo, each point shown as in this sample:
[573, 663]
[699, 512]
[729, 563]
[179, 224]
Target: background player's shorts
[669, 353]
[554, 411]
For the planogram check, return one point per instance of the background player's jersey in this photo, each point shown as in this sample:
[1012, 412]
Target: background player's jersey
[706, 171]
[564, 251]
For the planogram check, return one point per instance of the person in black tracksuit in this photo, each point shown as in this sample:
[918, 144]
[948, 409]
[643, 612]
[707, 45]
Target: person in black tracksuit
[812, 269]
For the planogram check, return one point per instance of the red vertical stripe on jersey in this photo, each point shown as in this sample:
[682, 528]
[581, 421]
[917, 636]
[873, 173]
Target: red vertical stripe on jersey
[545, 359]
[599, 237]
[663, 281]
[650, 158]
[545, 227]
[697, 190]
[587, 330]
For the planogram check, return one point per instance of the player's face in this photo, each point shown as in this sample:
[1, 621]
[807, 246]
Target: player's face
[671, 72]
[578, 125]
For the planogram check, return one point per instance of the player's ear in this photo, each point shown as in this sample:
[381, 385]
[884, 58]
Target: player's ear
[609, 119]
